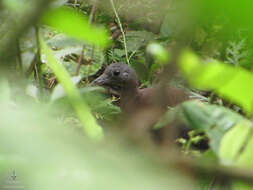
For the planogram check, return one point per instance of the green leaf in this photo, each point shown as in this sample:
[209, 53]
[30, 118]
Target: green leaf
[214, 120]
[231, 136]
[137, 39]
[233, 83]
[241, 186]
[33, 138]
[235, 138]
[170, 26]
[159, 52]
[32, 91]
[92, 129]
[60, 41]
[75, 24]
[236, 150]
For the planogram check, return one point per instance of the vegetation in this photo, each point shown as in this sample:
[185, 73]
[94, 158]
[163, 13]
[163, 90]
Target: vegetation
[59, 132]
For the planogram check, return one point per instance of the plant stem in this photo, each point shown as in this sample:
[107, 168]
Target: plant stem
[121, 29]
[37, 66]
[80, 60]
[93, 10]
[19, 57]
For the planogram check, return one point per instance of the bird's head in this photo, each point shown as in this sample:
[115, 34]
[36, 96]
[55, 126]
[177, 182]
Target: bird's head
[118, 77]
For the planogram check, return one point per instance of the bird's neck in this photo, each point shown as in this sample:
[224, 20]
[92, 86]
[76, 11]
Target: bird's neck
[129, 98]
[129, 93]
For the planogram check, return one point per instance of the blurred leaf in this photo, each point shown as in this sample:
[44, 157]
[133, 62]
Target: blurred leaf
[159, 52]
[241, 139]
[75, 24]
[231, 136]
[141, 69]
[60, 41]
[5, 90]
[168, 117]
[60, 54]
[170, 26]
[236, 150]
[214, 120]
[228, 12]
[28, 48]
[103, 108]
[137, 39]
[235, 138]
[233, 83]
[59, 91]
[15, 5]
[92, 129]
[39, 146]
[67, 50]
[58, 3]
[32, 91]
[241, 186]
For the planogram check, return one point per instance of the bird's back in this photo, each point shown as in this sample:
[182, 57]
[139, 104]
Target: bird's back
[148, 98]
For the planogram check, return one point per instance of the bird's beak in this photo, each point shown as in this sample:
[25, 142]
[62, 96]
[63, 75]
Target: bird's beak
[100, 81]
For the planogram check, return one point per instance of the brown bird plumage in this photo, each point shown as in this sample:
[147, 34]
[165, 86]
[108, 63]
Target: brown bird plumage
[122, 80]
[142, 107]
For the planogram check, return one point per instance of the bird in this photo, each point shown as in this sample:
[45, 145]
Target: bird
[121, 80]
[144, 107]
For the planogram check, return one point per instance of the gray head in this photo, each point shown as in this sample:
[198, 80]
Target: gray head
[118, 77]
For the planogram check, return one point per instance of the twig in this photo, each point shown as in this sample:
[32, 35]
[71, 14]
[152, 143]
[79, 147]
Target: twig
[92, 17]
[87, 77]
[75, 3]
[37, 65]
[51, 82]
[19, 57]
[132, 54]
[36, 74]
[31, 67]
[94, 6]
[122, 31]
[213, 182]
[93, 10]
[79, 61]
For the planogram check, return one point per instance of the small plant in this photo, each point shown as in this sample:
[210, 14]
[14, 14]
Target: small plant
[236, 52]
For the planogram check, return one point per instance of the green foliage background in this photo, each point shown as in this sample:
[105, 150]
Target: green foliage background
[58, 132]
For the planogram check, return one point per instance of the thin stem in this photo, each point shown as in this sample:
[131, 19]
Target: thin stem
[132, 54]
[76, 1]
[19, 57]
[213, 183]
[79, 61]
[37, 66]
[93, 10]
[121, 29]
[92, 13]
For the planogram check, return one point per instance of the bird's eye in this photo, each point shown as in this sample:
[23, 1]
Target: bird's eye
[116, 73]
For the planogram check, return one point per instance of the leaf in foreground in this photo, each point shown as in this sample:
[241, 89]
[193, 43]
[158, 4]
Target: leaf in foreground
[233, 83]
[92, 129]
[75, 24]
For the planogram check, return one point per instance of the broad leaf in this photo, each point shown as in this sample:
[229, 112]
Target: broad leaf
[214, 120]
[233, 83]
[75, 24]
